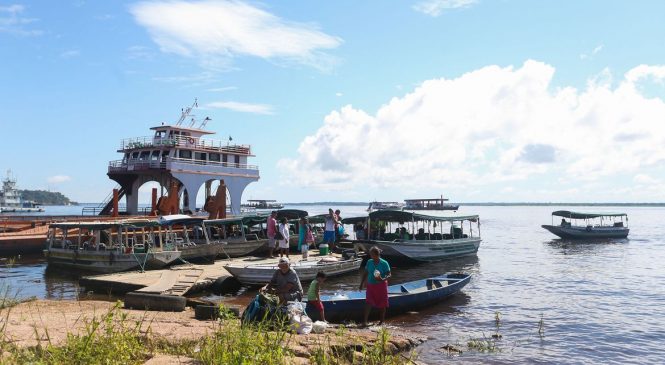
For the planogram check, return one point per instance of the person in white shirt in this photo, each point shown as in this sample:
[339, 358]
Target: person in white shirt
[284, 242]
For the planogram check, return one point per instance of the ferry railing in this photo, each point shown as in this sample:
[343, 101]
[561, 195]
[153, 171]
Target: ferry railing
[122, 165]
[184, 141]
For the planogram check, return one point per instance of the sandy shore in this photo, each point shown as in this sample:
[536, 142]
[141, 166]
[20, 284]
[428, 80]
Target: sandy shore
[40, 321]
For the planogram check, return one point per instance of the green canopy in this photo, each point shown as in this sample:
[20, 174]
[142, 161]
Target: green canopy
[291, 214]
[579, 215]
[404, 216]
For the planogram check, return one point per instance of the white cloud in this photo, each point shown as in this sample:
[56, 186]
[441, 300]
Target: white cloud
[213, 32]
[57, 179]
[70, 54]
[339, 94]
[437, 7]
[492, 125]
[585, 56]
[222, 89]
[242, 107]
[12, 21]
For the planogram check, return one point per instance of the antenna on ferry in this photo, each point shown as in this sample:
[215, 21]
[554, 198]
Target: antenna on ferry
[204, 123]
[191, 123]
[186, 112]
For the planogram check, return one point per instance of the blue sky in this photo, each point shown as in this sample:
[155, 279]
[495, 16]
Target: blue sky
[346, 100]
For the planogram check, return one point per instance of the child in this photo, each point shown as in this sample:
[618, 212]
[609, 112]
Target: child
[284, 242]
[314, 293]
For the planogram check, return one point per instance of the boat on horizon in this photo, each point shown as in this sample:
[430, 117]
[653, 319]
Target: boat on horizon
[405, 297]
[11, 200]
[416, 237]
[376, 205]
[596, 225]
[261, 204]
[429, 204]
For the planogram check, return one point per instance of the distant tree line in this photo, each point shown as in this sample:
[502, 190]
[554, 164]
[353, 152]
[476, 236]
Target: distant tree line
[44, 197]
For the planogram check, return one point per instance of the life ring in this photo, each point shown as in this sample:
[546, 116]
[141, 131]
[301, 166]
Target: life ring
[191, 140]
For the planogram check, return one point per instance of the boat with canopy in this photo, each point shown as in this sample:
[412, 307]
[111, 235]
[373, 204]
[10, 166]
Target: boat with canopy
[403, 235]
[579, 225]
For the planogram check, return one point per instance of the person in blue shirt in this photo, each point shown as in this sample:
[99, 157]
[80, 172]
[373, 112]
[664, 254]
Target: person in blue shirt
[376, 274]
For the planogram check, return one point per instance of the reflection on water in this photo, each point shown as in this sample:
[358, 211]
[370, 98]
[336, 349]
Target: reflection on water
[600, 302]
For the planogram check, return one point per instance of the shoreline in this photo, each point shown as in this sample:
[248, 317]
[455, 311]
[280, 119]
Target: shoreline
[40, 323]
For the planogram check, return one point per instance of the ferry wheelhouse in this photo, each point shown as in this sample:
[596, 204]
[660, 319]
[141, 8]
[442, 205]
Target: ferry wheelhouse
[182, 160]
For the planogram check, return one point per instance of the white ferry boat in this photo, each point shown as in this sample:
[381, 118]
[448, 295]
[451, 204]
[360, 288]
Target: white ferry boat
[11, 201]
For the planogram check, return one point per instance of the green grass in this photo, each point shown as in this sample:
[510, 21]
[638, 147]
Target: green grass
[115, 339]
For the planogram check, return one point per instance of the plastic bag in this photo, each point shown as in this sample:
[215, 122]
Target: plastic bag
[319, 327]
[301, 323]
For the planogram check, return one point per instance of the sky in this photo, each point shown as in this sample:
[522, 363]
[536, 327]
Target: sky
[478, 100]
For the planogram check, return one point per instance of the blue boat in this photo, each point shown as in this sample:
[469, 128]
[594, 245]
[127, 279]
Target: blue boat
[403, 298]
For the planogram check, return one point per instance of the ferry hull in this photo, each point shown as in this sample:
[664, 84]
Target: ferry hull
[573, 232]
[425, 251]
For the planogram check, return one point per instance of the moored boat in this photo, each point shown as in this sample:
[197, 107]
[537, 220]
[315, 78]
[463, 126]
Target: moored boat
[589, 225]
[429, 204]
[417, 237]
[402, 298]
[106, 247]
[259, 274]
[186, 234]
[235, 236]
[376, 205]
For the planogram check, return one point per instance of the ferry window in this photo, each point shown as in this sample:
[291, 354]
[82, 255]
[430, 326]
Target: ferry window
[160, 134]
[237, 158]
[154, 156]
[165, 154]
[144, 155]
[214, 157]
[185, 154]
[225, 158]
[200, 156]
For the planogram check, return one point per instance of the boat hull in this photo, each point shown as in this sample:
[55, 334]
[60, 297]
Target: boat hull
[401, 298]
[243, 248]
[425, 251]
[261, 274]
[575, 232]
[108, 261]
[201, 251]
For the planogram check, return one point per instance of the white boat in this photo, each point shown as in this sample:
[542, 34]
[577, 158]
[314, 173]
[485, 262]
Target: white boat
[589, 225]
[11, 200]
[375, 205]
[106, 247]
[259, 274]
[417, 237]
[429, 204]
[262, 204]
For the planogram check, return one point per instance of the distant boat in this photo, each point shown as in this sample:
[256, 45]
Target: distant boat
[589, 225]
[375, 205]
[429, 204]
[435, 237]
[11, 200]
[402, 298]
[260, 204]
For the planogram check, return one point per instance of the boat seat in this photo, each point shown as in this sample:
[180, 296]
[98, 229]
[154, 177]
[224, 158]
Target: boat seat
[433, 283]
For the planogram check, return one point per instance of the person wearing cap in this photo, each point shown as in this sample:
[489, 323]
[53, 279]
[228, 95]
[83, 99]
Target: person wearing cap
[285, 282]
[376, 274]
[271, 232]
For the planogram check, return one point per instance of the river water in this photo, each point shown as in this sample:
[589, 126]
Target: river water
[557, 301]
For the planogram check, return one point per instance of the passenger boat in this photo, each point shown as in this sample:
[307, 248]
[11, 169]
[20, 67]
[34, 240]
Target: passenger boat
[186, 234]
[429, 204]
[417, 237]
[589, 225]
[235, 235]
[11, 200]
[107, 247]
[259, 204]
[384, 205]
[259, 274]
[402, 298]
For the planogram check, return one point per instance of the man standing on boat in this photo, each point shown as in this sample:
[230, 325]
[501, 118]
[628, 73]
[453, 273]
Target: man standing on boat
[272, 231]
[376, 274]
[329, 233]
[286, 283]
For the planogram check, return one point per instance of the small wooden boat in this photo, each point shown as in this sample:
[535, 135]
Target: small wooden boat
[595, 225]
[259, 274]
[402, 298]
[186, 234]
[232, 234]
[417, 237]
